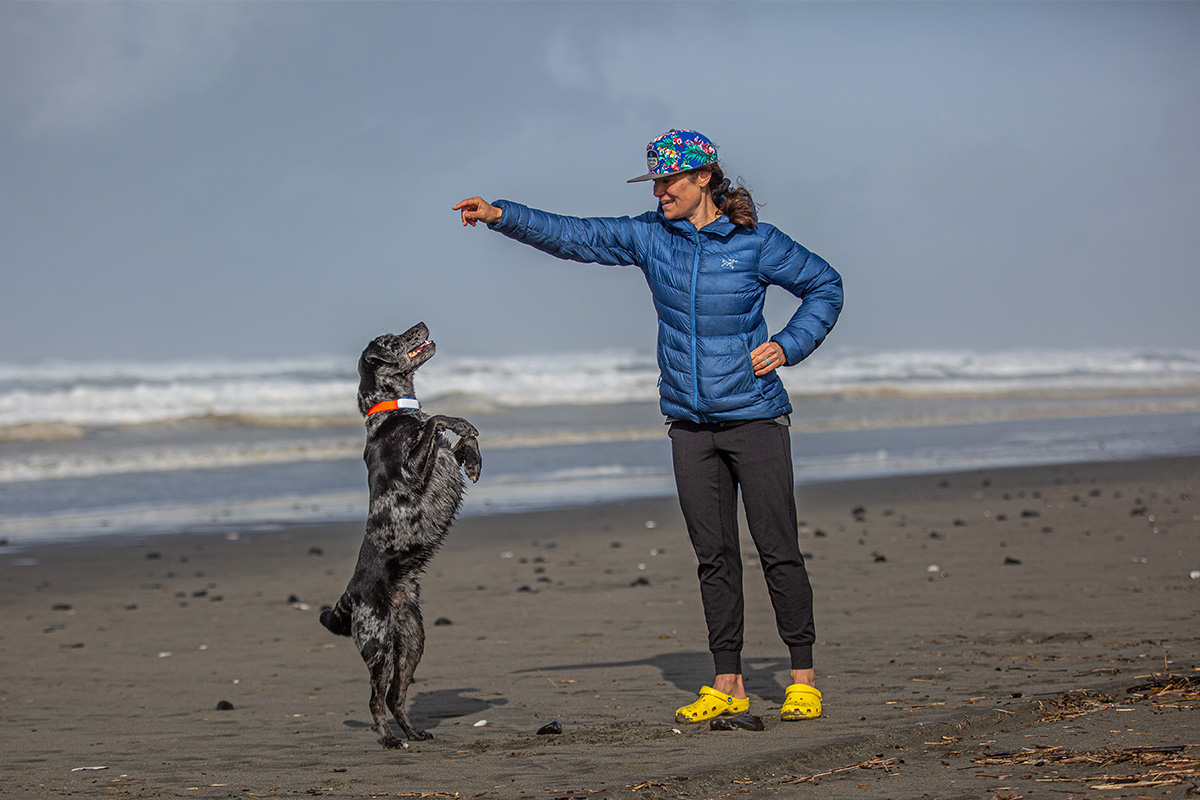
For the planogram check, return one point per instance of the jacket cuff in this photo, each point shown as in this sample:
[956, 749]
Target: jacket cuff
[795, 349]
[508, 217]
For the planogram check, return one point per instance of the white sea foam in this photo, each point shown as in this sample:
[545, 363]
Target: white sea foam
[109, 394]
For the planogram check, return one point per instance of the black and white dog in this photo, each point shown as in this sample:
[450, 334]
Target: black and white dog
[416, 488]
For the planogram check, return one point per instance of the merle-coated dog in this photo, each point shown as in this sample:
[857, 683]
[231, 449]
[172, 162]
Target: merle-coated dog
[416, 488]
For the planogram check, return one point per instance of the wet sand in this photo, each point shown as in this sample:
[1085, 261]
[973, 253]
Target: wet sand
[958, 615]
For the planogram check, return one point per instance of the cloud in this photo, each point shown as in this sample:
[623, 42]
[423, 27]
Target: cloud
[86, 68]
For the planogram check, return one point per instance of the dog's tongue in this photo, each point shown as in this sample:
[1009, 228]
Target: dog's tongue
[419, 348]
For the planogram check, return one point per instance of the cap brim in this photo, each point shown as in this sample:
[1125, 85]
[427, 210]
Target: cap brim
[653, 176]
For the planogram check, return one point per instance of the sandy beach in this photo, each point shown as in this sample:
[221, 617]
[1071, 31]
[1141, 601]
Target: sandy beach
[978, 634]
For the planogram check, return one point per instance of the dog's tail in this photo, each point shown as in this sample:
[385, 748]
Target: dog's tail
[337, 619]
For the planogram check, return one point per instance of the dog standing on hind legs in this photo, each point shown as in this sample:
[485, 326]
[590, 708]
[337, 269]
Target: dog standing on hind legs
[416, 488]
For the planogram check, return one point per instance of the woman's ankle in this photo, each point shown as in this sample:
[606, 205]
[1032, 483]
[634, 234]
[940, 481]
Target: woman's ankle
[808, 677]
[730, 684]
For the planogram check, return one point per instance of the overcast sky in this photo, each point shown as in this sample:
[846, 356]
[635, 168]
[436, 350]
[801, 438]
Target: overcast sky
[262, 179]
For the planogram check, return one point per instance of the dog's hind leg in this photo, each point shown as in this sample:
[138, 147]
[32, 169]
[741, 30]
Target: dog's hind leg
[410, 646]
[373, 636]
[382, 667]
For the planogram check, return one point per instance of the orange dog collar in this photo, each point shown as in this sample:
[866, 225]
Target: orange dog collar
[392, 405]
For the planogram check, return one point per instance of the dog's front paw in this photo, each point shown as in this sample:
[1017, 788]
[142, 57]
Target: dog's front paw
[457, 424]
[392, 743]
[467, 453]
[419, 736]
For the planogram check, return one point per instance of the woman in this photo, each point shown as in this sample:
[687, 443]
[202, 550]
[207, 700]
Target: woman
[708, 262]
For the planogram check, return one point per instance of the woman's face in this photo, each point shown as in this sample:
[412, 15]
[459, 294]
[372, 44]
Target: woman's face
[682, 196]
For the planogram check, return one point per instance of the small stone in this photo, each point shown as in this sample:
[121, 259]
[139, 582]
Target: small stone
[738, 722]
[316, 551]
[554, 726]
[1011, 560]
[640, 582]
[224, 705]
[442, 621]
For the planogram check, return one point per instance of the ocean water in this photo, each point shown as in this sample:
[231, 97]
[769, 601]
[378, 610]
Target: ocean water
[127, 448]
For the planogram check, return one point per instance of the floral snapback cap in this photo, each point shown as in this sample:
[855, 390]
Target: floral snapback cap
[675, 152]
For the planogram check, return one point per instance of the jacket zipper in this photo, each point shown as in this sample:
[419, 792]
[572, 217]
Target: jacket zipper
[692, 312]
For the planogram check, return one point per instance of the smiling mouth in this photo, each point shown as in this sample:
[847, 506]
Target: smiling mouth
[416, 351]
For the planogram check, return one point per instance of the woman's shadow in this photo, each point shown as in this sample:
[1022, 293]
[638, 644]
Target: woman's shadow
[688, 671]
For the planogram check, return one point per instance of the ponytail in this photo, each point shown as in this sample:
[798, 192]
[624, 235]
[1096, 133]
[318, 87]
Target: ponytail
[734, 202]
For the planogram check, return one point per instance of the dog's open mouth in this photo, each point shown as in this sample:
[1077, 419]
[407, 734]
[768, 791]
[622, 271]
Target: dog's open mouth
[416, 351]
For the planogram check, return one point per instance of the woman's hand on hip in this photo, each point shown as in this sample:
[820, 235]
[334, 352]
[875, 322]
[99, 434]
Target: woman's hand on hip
[476, 209]
[766, 357]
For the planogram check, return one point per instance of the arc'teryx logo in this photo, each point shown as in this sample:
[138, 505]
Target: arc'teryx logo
[729, 263]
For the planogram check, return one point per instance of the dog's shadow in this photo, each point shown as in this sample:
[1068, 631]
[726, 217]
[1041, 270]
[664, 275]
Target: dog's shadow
[428, 709]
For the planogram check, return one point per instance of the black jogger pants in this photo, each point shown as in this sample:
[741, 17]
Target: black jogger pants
[712, 462]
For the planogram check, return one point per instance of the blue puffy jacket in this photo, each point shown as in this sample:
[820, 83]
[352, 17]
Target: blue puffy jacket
[708, 289]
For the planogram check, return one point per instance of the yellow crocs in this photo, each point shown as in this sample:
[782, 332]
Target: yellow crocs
[801, 702]
[709, 705]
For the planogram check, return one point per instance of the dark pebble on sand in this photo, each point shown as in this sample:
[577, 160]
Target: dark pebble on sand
[293, 599]
[442, 621]
[316, 551]
[879, 557]
[61, 607]
[1028, 513]
[934, 535]
[738, 722]
[554, 726]
[224, 705]
[1011, 560]
[640, 582]
[615, 545]
[526, 588]
[200, 593]
[960, 523]
[820, 534]
[153, 555]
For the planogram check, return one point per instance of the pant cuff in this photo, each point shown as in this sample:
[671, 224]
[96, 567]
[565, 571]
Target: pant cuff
[728, 662]
[802, 656]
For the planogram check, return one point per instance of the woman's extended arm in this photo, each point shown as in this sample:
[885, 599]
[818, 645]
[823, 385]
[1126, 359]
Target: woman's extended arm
[598, 240]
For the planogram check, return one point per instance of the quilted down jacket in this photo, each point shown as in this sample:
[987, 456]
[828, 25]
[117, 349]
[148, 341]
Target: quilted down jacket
[708, 287]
